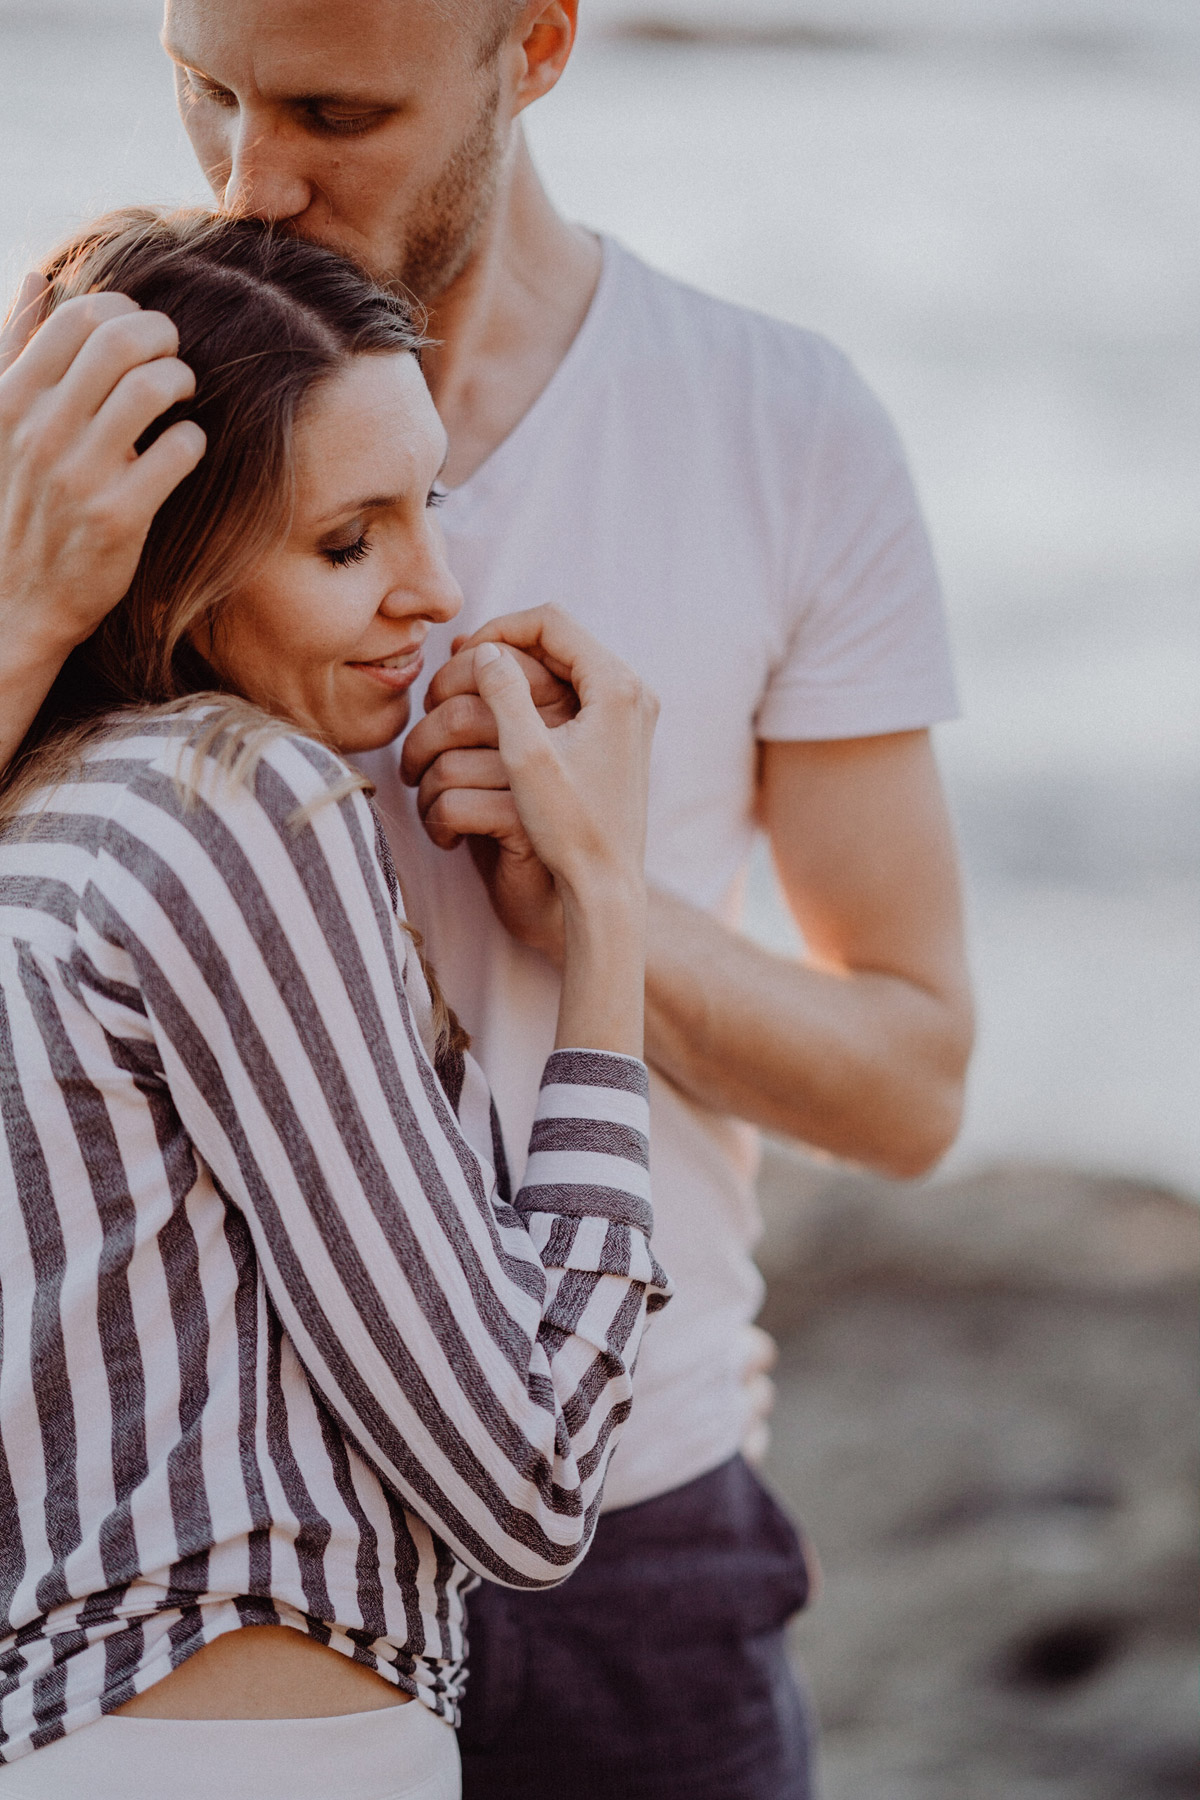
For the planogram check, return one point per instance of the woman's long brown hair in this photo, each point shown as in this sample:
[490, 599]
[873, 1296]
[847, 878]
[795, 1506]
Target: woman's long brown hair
[263, 317]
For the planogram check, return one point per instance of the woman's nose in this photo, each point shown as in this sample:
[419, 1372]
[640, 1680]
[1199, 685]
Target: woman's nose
[430, 589]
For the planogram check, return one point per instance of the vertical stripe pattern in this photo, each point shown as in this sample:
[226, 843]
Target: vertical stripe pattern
[277, 1343]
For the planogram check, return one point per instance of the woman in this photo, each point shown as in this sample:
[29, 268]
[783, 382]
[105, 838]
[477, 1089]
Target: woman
[278, 1350]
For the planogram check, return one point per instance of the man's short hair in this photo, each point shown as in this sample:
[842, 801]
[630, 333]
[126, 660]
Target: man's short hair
[494, 20]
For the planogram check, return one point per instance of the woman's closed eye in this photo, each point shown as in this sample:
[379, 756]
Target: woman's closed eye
[345, 554]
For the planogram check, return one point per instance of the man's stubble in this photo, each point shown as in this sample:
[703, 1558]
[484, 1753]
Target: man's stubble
[447, 220]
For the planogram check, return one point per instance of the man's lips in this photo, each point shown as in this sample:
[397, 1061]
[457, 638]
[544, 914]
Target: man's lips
[396, 673]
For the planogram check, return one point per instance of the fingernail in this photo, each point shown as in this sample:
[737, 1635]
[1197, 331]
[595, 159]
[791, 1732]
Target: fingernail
[487, 653]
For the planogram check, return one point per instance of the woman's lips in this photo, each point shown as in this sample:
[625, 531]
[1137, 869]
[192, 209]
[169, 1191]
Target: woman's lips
[396, 673]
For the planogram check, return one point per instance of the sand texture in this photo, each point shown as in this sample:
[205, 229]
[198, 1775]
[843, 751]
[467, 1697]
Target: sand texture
[986, 1421]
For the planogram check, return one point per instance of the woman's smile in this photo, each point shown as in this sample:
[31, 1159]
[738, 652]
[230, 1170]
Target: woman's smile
[396, 672]
[362, 569]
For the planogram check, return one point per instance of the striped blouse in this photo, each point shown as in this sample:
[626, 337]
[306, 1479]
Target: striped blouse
[276, 1345]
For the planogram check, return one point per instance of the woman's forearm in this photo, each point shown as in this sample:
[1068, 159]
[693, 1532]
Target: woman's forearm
[602, 1004]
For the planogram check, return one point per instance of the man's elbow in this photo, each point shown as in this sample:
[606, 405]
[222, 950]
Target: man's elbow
[933, 1114]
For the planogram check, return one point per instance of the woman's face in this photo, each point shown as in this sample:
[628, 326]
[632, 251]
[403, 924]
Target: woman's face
[327, 629]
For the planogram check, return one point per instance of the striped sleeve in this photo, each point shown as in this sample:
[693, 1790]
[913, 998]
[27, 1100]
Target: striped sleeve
[478, 1353]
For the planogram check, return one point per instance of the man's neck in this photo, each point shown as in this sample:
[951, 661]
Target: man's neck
[505, 325]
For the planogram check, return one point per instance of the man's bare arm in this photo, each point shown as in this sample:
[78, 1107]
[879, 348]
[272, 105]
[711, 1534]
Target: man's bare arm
[861, 1049]
[76, 499]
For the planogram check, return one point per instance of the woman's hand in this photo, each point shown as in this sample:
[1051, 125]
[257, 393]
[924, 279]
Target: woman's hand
[452, 757]
[574, 815]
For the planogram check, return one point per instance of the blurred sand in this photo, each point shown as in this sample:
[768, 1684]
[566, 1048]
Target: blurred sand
[986, 1422]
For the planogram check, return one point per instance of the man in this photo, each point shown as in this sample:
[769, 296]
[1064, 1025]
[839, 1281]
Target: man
[717, 497]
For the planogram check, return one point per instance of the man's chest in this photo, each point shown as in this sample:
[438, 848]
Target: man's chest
[682, 596]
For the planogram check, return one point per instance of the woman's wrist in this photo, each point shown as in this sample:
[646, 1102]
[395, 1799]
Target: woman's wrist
[602, 1002]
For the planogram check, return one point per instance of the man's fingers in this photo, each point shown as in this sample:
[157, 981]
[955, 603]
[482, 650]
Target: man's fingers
[140, 397]
[762, 1352]
[28, 311]
[160, 469]
[471, 812]
[110, 352]
[460, 769]
[464, 722]
[53, 349]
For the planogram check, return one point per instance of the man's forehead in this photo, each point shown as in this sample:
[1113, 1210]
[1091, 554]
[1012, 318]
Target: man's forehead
[310, 46]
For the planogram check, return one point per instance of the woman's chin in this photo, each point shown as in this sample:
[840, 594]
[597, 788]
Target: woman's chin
[356, 736]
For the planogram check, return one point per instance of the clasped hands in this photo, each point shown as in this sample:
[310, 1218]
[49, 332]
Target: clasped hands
[451, 757]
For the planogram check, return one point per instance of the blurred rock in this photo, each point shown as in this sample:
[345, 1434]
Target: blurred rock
[986, 1421]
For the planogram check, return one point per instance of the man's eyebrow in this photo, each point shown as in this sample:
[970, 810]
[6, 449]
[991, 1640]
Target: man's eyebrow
[327, 97]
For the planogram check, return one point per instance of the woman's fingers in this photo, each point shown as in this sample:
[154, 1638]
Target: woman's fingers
[28, 311]
[521, 734]
[457, 676]
[556, 639]
[463, 721]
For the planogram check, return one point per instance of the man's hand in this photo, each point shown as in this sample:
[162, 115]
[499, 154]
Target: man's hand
[76, 499]
[450, 757]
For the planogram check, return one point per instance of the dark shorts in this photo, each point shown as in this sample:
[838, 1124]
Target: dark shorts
[659, 1671]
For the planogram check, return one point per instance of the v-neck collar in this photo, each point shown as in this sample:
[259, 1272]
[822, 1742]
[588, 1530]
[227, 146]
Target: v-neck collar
[509, 450]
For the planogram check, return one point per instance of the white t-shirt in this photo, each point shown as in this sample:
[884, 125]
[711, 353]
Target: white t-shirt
[721, 501]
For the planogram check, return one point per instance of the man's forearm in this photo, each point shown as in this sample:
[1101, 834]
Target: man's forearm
[25, 680]
[863, 1064]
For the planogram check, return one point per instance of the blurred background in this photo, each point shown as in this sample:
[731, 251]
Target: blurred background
[993, 205]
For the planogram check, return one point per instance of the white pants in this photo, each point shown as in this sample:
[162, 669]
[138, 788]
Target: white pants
[396, 1753]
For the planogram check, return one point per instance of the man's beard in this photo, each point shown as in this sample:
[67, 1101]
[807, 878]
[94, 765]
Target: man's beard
[448, 218]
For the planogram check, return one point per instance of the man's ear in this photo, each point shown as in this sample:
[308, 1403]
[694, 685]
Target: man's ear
[543, 38]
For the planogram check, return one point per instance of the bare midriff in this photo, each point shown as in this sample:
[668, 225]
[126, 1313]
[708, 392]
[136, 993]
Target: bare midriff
[265, 1672]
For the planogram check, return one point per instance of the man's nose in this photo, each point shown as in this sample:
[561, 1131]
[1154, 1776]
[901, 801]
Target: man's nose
[265, 180]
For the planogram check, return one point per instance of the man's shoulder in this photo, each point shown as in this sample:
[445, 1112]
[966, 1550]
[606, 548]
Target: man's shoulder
[741, 368]
[685, 320]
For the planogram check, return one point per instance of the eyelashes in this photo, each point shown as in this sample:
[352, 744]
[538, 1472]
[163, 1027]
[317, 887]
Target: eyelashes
[349, 553]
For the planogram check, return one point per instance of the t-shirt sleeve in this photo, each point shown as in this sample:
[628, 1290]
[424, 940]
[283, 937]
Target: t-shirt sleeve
[866, 648]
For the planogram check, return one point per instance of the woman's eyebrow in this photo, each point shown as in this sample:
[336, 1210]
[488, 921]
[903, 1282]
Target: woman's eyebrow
[373, 502]
[349, 509]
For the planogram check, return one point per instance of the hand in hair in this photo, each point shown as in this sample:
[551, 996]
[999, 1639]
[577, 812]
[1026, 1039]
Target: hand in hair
[76, 499]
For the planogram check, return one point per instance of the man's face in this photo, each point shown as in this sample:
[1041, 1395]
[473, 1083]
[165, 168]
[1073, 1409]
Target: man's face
[372, 126]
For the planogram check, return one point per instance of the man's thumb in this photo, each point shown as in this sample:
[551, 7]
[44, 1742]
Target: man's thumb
[502, 684]
[28, 311]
